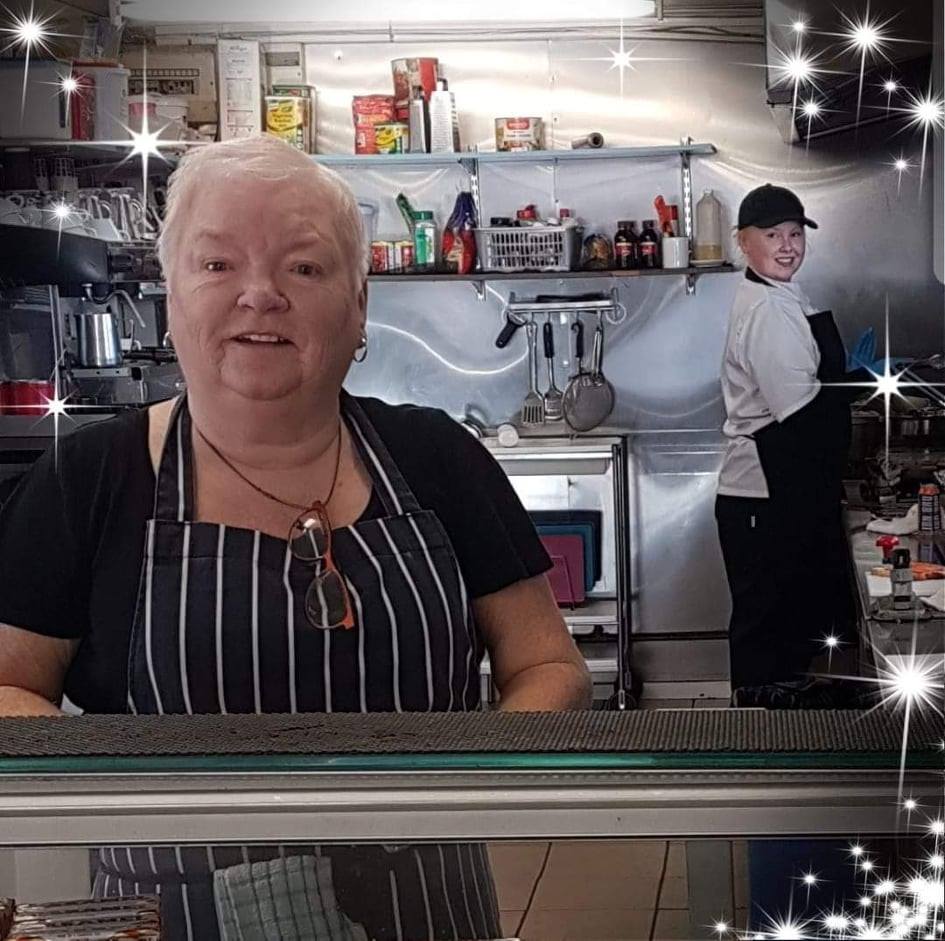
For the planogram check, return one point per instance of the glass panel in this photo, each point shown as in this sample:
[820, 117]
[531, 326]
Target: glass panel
[535, 890]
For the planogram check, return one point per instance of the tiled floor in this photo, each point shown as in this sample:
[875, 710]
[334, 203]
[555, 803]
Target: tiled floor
[600, 891]
[631, 890]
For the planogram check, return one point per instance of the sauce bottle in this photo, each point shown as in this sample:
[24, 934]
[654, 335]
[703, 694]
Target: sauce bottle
[650, 254]
[625, 246]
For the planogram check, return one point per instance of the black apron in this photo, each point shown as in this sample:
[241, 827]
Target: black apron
[220, 628]
[786, 556]
[810, 480]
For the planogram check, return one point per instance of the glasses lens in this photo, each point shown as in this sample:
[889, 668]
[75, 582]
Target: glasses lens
[326, 601]
[309, 538]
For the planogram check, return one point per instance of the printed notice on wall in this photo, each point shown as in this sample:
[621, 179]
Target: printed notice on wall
[239, 88]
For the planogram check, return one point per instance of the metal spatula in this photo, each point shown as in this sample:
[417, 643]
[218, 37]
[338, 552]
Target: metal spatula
[533, 408]
[554, 397]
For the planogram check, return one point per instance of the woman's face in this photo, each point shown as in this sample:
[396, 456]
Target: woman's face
[261, 300]
[775, 253]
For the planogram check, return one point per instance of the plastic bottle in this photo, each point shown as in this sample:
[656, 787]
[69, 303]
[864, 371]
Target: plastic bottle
[424, 241]
[442, 139]
[708, 243]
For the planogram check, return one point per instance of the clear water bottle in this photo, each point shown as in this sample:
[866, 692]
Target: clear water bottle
[708, 244]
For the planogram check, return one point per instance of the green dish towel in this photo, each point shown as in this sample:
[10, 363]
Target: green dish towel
[283, 899]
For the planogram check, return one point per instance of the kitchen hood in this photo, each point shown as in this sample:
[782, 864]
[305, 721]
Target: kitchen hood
[831, 69]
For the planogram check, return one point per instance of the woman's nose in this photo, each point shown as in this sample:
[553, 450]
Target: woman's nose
[263, 294]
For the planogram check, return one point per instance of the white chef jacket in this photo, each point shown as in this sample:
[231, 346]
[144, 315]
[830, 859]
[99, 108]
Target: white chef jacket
[769, 372]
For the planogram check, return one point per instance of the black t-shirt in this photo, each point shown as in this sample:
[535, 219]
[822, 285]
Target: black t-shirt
[72, 536]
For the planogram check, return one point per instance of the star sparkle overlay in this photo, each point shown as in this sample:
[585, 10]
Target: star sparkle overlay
[623, 59]
[906, 904]
[29, 34]
[902, 905]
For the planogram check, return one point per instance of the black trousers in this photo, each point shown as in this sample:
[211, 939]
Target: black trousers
[788, 573]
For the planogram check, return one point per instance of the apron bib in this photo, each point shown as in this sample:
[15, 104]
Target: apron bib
[220, 627]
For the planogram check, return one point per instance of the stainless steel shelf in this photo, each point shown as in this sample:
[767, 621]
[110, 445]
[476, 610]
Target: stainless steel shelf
[94, 150]
[26, 426]
[534, 156]
[594, 611]
[552, 275]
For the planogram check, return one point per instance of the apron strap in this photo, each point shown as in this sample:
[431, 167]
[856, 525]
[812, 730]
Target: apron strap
[392, 488]
[169, 447]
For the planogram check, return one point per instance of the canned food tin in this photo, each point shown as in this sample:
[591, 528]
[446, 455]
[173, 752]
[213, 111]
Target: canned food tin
[379, 256]
[404, 253]
[392, 138]
[408, 74]
[519, 134]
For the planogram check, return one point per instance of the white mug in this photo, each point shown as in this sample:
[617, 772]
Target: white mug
[675, 252]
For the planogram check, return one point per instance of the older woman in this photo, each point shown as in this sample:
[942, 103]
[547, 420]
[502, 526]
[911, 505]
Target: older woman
[269, 543]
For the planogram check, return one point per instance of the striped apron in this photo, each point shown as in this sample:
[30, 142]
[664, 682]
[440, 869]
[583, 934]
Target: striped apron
[220, 628]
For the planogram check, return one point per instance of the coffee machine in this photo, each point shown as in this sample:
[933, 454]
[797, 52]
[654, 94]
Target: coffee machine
[107, 314]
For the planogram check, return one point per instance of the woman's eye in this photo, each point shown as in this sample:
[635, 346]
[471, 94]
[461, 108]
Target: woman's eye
[305, 268]
[214, 266]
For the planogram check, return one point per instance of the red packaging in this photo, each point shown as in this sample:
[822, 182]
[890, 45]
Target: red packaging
[26, 397]
[82, 107]
[368, 112]
[379, 256]
[408, 73]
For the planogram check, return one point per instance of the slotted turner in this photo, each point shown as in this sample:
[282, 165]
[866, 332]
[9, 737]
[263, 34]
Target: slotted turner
[533, 408]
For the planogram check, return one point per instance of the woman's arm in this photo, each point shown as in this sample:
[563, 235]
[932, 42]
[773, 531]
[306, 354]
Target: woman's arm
[32, 672]
[535, 664]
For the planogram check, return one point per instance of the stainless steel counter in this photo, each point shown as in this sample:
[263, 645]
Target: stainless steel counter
[889, 642]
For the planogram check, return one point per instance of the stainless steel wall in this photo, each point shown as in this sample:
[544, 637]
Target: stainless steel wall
[874, 239]
[433, 344]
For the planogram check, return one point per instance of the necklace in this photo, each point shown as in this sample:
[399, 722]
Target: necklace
[266, 493]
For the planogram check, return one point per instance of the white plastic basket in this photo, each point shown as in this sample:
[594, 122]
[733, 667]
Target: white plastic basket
[531, 248]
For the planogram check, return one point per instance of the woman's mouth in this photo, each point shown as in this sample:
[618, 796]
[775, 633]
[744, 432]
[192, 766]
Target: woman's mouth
[256, 338]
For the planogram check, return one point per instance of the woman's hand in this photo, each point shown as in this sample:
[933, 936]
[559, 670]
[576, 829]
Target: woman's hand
[535, 665]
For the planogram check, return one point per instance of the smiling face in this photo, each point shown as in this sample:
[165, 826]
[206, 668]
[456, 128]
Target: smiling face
[261, 299]
[776, 253]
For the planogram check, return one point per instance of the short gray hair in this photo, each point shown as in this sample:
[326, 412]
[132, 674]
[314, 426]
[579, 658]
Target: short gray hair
[267, 158]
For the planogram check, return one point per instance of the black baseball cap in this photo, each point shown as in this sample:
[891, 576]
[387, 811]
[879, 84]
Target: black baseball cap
[768, 206]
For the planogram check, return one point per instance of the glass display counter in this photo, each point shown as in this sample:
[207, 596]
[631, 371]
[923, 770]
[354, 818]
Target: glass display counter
[656, 824]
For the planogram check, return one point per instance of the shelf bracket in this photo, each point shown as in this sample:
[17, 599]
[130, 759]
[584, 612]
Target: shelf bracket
[480, 288]
[471, 166]
[686, 162]
[691, 284]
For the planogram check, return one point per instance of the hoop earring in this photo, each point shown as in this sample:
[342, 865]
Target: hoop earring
[361, 353]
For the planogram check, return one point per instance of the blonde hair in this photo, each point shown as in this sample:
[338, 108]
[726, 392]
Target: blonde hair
[266, 158]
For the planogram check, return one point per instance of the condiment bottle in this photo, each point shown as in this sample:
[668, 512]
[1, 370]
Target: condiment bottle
[901, 578]
[650, 254]
[424, 241]
[930, 509]
[625, 246]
